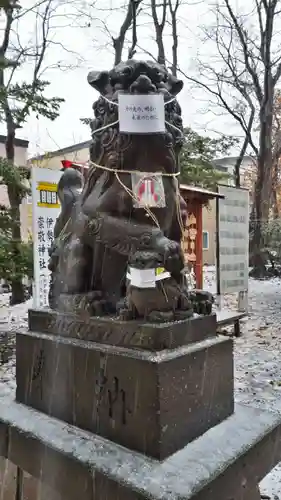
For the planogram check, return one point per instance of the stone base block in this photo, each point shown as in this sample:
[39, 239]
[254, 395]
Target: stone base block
[111, 331]
[154, 403]
[226, 463]
[31, 488]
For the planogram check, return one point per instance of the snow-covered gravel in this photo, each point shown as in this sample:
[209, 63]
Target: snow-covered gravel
[257, 352]
[257, 355]
[10, 318]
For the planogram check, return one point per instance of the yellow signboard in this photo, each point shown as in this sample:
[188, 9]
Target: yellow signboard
[48, 195]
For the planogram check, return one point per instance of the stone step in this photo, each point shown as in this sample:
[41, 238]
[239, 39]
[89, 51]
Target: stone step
[225, 463]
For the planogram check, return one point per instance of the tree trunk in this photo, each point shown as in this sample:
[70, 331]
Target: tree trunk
[275, 207]
[161, 58]
[118, 49]
[263, 188]
[16, 283]
[119, 41]
[175, 45]
[159, 28]
[238, 164]
[274, 201]
[261, 212]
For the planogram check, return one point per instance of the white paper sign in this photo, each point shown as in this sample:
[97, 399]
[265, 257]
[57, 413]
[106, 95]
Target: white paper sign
[233, 225]
[141, 114]
[142, 278]
[45, 210]
[146, 278]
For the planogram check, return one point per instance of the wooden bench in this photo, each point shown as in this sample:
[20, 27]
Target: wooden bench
[226, 317]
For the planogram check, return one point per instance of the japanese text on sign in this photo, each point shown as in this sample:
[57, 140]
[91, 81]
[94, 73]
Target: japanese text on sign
[141, 114]
[233, 251]
[46, 208]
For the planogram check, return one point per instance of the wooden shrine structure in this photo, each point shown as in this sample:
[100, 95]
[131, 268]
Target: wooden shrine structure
[196, 198]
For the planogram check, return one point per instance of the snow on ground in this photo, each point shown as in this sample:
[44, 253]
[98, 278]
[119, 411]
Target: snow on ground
[257, 355]
[257, 352]
[11, 318]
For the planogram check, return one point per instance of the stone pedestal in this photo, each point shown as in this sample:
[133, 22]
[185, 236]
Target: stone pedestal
[129, 411]
[151, 402]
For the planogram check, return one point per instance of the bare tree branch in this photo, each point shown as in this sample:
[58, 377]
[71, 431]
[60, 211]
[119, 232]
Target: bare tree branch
[277, 75]
[159, 28]
[247, 57]
[173, 12]
[118, 42]
[132, 49]
[7, 29]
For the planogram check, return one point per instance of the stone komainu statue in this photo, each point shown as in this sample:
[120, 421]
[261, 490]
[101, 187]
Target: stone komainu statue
[101, 227]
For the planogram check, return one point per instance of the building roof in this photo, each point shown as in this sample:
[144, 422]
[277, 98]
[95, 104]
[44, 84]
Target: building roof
[221, 168]
[21, 143]
[63, 151]
[201, 191]
[231, 159]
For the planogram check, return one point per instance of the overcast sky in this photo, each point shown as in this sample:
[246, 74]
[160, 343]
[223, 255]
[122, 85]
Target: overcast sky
[92, 51]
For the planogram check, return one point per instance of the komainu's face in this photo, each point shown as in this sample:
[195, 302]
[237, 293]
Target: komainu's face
[145, 260]
[119, 150]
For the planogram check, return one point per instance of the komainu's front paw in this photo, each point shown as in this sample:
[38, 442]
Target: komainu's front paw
[126, 315]
[160, 316]
[126, 310]
[202, 301]
[172, 255]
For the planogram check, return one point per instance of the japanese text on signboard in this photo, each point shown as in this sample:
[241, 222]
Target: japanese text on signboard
[46, 208]
[233, 240]
[45, 227]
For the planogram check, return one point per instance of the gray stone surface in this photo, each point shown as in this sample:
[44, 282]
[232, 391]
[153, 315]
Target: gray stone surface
[111, 331]
[181, 476]
[154, 403]
[257, 353]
